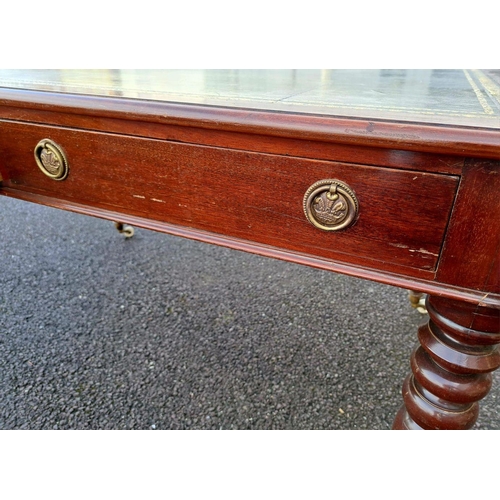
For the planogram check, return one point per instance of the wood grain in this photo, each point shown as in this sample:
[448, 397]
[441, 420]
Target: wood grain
[445, 140]
[320, 150]
[451, 368]
[428, 195]
[471, 252]
[255, 197]
[425, 282]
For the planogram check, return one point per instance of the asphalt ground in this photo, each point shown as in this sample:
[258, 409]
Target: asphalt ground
[159, 332]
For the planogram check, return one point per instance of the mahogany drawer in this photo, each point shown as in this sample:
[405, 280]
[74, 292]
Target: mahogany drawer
[255, 197]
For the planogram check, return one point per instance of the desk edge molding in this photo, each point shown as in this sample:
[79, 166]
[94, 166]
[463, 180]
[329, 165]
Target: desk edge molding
[444, 139]
[434, 288]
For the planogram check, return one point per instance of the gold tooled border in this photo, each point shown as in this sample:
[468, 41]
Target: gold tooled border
[489, 85]
[479, 94]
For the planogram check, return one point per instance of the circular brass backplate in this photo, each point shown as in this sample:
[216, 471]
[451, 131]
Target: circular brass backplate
[330, 205]
[51, 160]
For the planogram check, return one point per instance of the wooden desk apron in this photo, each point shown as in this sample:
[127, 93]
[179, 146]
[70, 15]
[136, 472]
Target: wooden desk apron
[411, 204]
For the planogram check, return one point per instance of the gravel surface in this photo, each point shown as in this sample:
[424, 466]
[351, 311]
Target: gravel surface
[157, 332]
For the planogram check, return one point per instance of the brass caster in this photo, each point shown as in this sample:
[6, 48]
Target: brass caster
[127, 231]
[417, 301]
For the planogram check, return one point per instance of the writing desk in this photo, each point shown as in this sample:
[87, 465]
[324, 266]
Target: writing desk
[392, 176]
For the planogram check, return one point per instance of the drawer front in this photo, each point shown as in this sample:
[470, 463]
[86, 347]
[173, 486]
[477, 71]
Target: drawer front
[256, 197]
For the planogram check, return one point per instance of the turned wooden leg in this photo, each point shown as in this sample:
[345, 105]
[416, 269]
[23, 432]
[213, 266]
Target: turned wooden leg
[459, 348]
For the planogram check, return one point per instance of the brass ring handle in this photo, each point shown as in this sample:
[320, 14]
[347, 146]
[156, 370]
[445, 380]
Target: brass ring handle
[330, 205]
[51, 160]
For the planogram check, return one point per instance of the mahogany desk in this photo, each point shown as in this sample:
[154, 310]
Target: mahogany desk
[392, 176]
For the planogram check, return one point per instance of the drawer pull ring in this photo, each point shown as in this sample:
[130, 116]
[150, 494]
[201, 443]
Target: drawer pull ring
[330, 205]
[51, 160]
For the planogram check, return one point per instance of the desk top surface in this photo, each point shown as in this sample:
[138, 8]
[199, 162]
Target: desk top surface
[468, 98]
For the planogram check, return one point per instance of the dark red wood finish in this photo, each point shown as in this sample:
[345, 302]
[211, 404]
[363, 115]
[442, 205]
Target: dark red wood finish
[254, 197]
[459, 348]
[429, 207]
[88, 112]
[472, 247]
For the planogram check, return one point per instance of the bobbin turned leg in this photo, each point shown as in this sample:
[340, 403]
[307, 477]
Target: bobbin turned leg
[459, 348]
